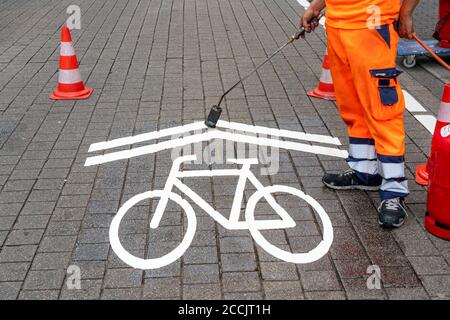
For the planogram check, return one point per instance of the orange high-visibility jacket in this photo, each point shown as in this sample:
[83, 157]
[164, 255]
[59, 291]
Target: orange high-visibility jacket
[360, 14]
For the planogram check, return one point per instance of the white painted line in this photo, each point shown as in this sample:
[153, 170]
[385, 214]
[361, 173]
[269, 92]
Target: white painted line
[209, 135]
[412, 105]
[279, 132]
[180, 130]
[428, 121]
[146, 136]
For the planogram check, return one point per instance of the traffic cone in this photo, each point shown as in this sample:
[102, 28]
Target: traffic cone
[437, 218]
[325, 88]
[422, 174]
[70, 85]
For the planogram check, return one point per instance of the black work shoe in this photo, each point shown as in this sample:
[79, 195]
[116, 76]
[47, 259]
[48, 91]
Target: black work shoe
[392, 213]
[349, 180]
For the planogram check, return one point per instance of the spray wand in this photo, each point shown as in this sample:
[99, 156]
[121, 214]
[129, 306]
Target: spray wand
[216, 110]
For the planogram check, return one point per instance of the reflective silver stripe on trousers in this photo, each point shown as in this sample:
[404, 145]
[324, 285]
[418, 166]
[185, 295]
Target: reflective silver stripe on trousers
[395, 186]
[362, 151]
[391, 170]
[365, 166]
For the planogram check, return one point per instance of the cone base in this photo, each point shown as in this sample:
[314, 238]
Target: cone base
[436, 229]
[422, 174]
[79, 95]
[317, 93]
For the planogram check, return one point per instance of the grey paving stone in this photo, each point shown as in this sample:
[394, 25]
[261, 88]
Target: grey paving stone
[73, 201]
[356, 289]
[89, 290]
[36, 208]
[9, 290]
[23, 237]
[437, 286]
[240, 281]
[278, 271]
[205, 273]
[200, 255]
[430, 265]
[3, 235]
[7, 222]
[91, 269]
[39, 295]
[121, 294]
[243, 296]
[13, 271]
[68, 214]
[123, 278]
[97, 235]
[172, 270]
[238, 262]
[19, 185]
[283, 290]
[51, 261]
[352, 268]
[162, 288]
[48, 279]
[63, 228]
[84, 188]
[325, 295]
[57, 243]
[91, 252]
[32, 222]
[10, 209]
[21, 253]
[13, 196]
[399, 277]
[236, 245]
[201, 292]
[320, 281]
[407, 293]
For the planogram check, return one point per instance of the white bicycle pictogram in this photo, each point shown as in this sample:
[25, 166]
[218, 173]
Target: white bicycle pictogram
[232, 223]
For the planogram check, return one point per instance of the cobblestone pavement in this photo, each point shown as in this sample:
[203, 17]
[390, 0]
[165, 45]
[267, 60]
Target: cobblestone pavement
[156, 64]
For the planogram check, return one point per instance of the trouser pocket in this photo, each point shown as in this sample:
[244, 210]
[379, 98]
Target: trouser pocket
[388, 101]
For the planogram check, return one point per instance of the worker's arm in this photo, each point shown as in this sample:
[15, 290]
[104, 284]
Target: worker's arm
[312, 12]
[405, 23]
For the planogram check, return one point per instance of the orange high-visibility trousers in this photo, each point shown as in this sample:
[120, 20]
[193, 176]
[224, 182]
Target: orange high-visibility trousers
[371, 102]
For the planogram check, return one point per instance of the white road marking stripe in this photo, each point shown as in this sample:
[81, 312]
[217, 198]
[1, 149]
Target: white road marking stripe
[214, 134]
[412, 105]
[197, 126]
[428, 121]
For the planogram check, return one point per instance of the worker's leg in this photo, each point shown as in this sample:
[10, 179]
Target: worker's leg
[362, 156]
[372, 56]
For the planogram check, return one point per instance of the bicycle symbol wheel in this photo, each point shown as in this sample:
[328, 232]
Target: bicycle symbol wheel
[170, 257]
[315, 254]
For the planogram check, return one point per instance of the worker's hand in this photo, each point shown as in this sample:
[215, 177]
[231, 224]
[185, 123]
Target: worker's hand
[307, 21]
[406, 26]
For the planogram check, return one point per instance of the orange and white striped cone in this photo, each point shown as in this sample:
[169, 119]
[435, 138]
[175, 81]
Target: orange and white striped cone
[422, 174]
[70, 85]
[423, 170]
[325, 88]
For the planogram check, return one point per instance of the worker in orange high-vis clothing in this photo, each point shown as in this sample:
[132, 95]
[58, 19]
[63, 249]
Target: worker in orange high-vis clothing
[362, 40]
